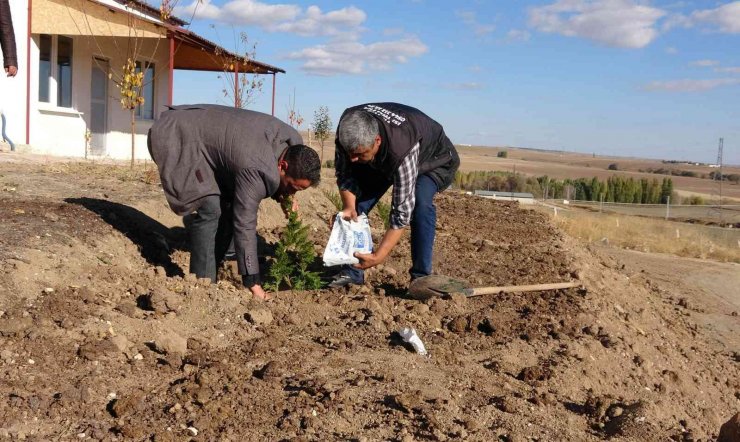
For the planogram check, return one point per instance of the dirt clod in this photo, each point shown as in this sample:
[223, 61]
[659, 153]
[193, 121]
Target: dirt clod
[259, 316]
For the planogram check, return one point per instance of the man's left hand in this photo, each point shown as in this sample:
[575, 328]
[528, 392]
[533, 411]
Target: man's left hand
[368, 260]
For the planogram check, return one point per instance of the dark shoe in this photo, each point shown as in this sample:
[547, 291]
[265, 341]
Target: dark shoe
[343, 280]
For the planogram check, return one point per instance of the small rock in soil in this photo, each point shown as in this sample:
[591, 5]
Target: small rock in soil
[259, 316]
[93, 351]
[127, 404]
[171, 343]
[458, 325]
[53, 217]
[120, 342]
[162, 301]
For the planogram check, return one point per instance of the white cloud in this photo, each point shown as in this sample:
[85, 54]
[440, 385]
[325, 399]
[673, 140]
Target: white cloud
[343, 54]
[704, 63]
[314, 22]
[671, 50]
[470, 19]
[729, 70]
[619, 23]
[241, 12]
[279, 17]
[468, 86]
[352, 57]
[517, 35]
[475, 68]
[690, 85]
[726, 17]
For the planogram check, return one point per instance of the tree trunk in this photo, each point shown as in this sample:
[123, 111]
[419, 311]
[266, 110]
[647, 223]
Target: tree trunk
[133, 136]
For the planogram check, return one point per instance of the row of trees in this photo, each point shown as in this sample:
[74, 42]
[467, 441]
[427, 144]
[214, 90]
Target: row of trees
[615, 189]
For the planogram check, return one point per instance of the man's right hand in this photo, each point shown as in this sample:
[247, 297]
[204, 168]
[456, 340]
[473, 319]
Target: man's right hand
[11, 71]
[349, 214]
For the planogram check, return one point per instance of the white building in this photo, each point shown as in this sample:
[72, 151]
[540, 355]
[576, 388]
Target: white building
[523, 198]
[65, 100]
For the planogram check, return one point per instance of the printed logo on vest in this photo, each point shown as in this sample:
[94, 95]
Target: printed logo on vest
[388, 116]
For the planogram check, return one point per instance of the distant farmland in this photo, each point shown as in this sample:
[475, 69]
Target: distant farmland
[563, 165]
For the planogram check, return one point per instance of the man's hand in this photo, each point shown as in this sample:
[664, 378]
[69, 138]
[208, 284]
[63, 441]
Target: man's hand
[349, 214]
[368, 260]
[288, 204]
[11, 71]
[260, 293]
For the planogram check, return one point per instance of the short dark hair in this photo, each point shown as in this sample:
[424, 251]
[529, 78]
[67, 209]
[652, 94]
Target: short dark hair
[303, 163]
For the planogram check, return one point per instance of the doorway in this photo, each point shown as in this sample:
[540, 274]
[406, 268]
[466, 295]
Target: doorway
[98, 106]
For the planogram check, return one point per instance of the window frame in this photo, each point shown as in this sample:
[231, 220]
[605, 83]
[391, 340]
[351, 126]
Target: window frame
[145, 65]
[53, 80]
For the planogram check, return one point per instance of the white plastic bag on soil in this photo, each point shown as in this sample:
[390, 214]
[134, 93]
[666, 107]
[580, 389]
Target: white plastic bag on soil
[348, 237]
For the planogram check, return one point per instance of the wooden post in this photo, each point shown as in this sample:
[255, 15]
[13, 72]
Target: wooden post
[667, 207]
[273, 93]
[171, 67]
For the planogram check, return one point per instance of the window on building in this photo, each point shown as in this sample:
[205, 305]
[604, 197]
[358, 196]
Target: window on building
[64, 72]
[55, 70]
[146, 111]
[44, 67]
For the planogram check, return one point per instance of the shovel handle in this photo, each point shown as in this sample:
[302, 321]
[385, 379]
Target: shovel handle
[522, 288]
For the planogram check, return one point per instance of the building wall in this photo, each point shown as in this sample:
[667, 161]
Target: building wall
[13, 90]
[61, 131]
[508, 198]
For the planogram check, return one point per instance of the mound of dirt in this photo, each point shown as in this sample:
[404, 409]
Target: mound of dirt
[103, 335]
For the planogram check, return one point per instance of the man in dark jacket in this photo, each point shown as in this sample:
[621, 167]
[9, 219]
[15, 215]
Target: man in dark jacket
[384, 144]
[216, 164]
[7, 40]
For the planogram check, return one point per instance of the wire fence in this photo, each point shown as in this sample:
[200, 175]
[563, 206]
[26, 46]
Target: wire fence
[693, 231]
[724, 215]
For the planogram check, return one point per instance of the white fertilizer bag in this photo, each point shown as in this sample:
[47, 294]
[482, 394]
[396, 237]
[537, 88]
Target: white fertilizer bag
[348, 237]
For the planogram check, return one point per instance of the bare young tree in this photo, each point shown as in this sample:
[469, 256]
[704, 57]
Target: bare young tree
[322, 127]
[295, 119]
[241, 88]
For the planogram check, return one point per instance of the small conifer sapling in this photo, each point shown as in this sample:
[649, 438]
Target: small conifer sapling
[293, 256]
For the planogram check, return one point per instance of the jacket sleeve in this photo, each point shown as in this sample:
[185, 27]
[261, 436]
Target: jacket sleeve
[7, 36]
[249, 191]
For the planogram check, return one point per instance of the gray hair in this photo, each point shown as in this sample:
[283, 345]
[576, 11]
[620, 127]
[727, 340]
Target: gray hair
[357, 128]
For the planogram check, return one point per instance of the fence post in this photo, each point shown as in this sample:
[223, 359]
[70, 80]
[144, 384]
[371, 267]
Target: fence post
[667, 207]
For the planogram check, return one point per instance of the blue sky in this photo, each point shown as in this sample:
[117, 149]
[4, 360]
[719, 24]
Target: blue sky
[657, 79]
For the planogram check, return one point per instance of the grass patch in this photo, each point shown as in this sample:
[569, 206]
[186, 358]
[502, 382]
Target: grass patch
[334, 198]
[653, 235]
[384, 212]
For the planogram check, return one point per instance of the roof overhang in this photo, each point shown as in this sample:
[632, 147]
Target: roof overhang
[195, 53]
[136, 19]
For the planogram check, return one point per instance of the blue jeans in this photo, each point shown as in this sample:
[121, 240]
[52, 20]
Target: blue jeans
[423, 224]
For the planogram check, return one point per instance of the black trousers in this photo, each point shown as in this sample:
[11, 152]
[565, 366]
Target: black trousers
[210, 230]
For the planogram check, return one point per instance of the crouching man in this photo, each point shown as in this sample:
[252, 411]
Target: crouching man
[216, 164]
[384, 144]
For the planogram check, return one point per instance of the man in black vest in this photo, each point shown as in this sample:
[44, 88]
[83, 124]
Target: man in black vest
[216, 164]
[384, 144]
